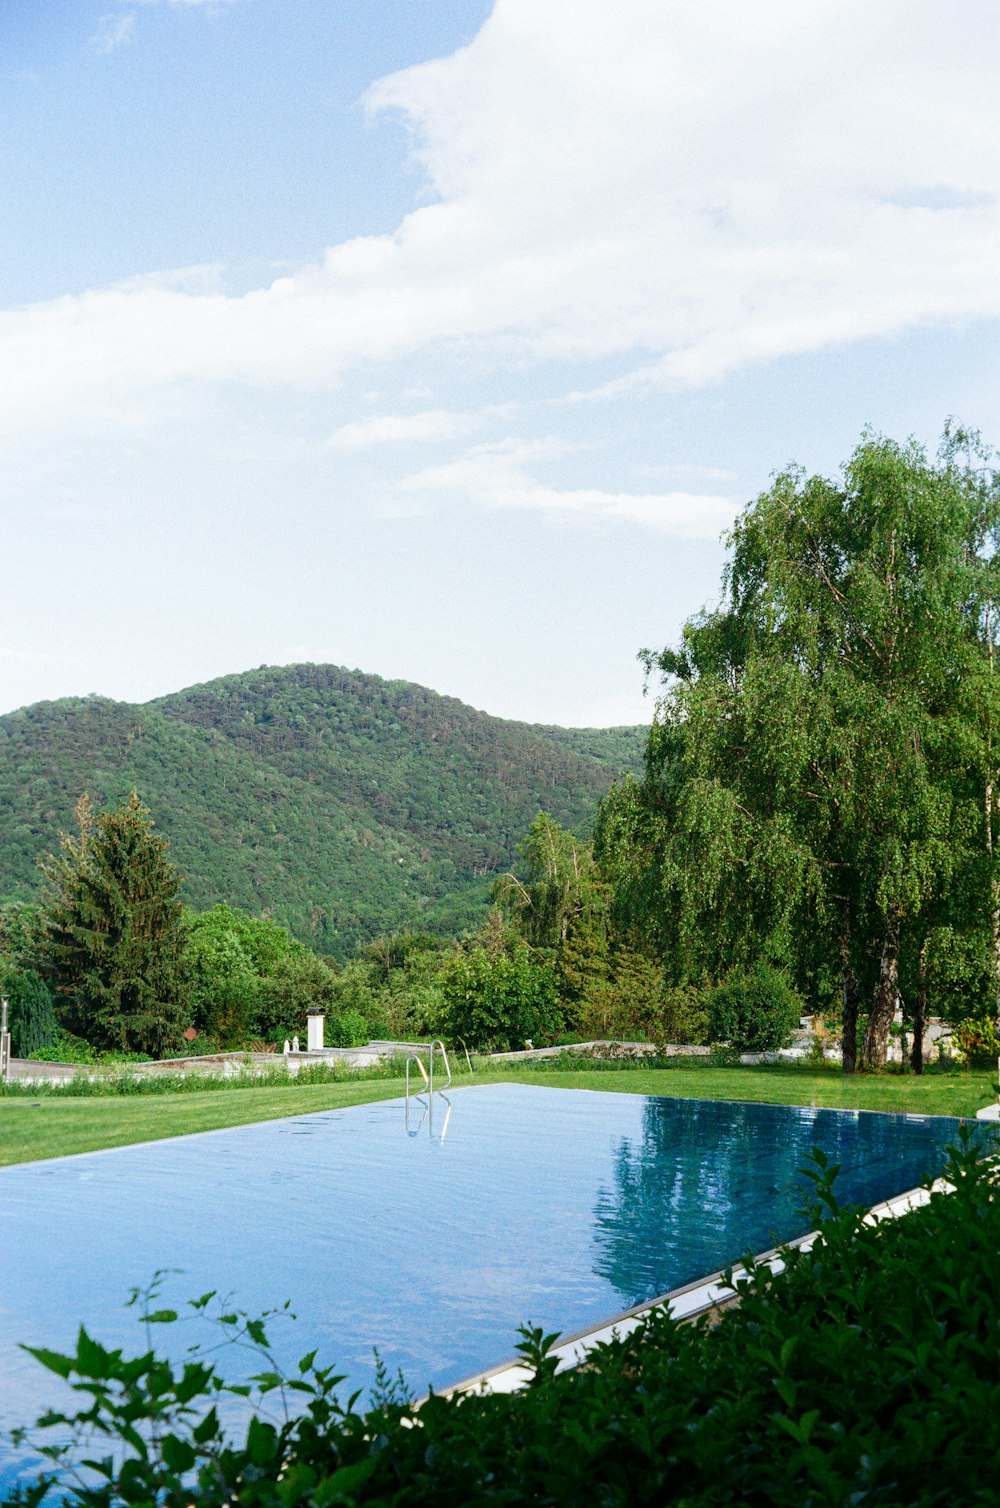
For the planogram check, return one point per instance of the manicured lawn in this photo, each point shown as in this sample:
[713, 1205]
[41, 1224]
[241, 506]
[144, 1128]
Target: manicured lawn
[54, 1126]
[959, 1093]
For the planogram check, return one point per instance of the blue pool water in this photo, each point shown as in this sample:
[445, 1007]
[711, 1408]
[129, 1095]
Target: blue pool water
[551, 1206]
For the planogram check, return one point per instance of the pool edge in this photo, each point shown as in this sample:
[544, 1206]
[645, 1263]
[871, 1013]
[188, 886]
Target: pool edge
[685, 1303]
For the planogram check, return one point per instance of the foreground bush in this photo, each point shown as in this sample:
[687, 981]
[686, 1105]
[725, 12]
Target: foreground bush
[867, 1374]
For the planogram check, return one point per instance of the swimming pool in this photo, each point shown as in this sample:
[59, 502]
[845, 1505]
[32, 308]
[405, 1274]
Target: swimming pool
[431, 1241]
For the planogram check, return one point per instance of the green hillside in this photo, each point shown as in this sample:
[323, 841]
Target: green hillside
[343, 804]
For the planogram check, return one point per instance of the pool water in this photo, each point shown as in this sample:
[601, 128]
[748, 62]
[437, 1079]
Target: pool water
[431, 1239]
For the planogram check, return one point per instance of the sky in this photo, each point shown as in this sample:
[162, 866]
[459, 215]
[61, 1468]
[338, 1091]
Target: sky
[445, 340]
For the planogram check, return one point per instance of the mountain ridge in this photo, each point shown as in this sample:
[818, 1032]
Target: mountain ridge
[342, 803]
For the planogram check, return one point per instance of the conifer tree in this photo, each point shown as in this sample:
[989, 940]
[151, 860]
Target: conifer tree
[112, 934]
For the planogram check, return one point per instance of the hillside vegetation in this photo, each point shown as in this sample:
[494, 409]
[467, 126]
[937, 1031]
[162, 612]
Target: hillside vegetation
[343, 804]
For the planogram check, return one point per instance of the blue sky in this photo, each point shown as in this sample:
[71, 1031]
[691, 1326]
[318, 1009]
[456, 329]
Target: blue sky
[443, 340]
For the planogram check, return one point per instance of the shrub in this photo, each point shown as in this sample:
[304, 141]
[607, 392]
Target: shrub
[296, 983]
[69, 1049]
[755, 1011]
[348, 1029]
[222, 982]
[978, 1042]
[33, 1024]
[684, 1016]
[500, 1000]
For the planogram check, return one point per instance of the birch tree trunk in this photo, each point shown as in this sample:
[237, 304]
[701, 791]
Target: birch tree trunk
[876, 1043]
[849, 982]
[920, 1013]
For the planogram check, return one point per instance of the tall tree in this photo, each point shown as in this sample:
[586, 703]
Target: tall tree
[111, 932]
[560, 907]
[822, 735]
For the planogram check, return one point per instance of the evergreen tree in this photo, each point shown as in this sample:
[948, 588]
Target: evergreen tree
[32, 1020]
[111, 933]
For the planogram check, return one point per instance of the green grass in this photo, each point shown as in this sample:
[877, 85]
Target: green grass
[55, 1126]
[957, 1093]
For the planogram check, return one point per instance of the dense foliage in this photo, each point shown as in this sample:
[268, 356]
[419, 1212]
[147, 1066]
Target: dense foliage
[865, 1374]
[248, 979]
[32, 1019]
[501, 999]
[754, 1011]
[110, 936]
[610, 981]
[343, 805]
[821, 782]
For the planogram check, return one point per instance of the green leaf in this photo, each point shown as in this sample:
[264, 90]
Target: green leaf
[92, 1360]
[343, 1483]
[262, 1442]
[54, 1361]
[207, 1429]
[178, 1454]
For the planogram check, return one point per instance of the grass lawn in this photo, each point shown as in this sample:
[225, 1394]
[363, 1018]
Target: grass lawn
[957, 1093]
[53, 1126]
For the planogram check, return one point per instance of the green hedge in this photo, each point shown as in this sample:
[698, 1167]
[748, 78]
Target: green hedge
[867, 1374]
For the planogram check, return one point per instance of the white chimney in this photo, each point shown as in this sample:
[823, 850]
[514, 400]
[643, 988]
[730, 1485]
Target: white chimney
[314, 1023]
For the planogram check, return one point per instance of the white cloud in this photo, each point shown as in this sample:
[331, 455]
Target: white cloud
[114, 32]
[403, 429]
[690, 188]
[496, 476]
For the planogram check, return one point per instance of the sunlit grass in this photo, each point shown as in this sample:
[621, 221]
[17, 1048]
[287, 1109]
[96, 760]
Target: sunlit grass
[957, 1093]
[54, 1127]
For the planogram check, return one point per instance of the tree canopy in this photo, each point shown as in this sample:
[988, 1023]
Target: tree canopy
[820, 786]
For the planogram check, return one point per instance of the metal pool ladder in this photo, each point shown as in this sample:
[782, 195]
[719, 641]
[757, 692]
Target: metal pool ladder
[427, 1074]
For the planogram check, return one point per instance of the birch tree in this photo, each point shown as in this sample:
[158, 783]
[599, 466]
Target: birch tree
[830, 726]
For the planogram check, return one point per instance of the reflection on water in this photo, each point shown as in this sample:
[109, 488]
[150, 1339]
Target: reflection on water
[706, 1182]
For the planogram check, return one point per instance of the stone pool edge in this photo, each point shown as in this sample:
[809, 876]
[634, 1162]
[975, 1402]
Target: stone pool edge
[685, 1303]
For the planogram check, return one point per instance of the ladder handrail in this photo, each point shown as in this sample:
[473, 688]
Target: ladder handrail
[447, 1067]
[427, 1074]
[413, 1058]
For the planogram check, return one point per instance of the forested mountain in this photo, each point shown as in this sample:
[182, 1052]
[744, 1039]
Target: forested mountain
[343, 804]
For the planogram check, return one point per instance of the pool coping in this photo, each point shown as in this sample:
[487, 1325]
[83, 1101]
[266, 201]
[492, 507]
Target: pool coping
[686, 1303]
